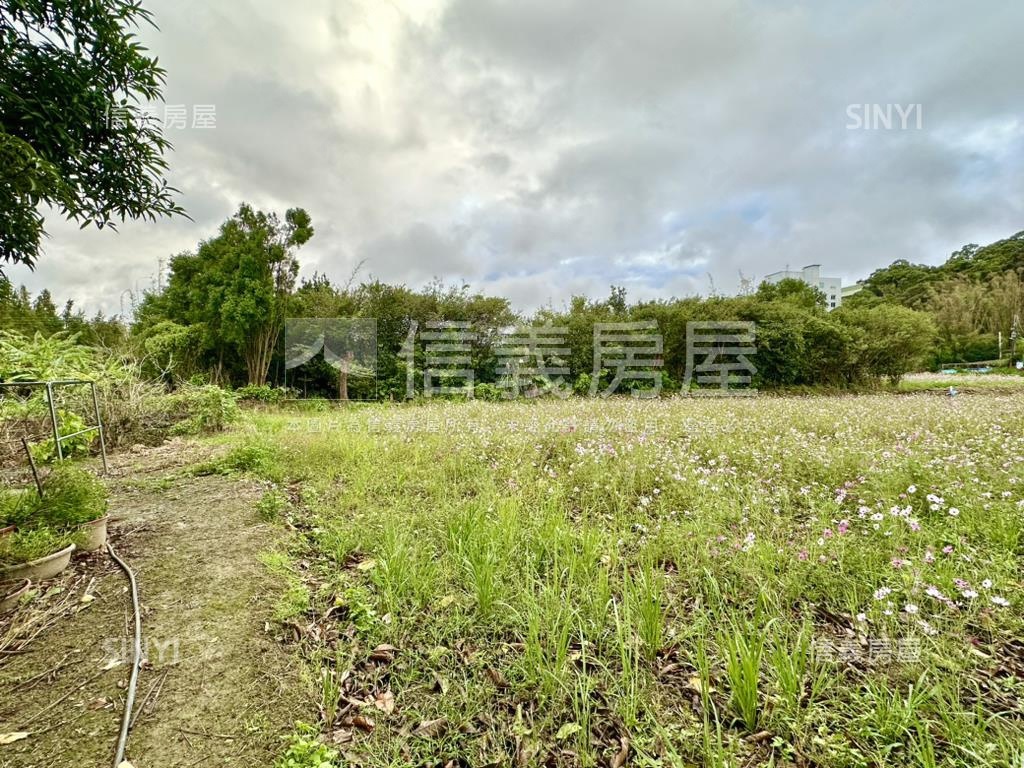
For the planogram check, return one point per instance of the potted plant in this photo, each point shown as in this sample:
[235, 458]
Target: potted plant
[34, 553]
[75, 500]
[12, 592]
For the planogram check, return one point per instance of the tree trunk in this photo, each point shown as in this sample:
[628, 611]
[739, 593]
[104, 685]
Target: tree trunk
[258, 352]
[343, 376]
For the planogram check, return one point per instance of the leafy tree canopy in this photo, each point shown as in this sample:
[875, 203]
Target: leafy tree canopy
[73, 82]
[911, 284]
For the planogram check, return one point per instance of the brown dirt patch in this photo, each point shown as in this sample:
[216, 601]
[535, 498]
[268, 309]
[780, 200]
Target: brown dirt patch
[220, 690]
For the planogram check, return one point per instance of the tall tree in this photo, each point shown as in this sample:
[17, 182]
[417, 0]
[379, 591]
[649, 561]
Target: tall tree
[261, 269]
[235, 289]
[73, 133]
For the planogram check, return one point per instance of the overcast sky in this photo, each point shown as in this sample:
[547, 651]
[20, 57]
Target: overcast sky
[543, 148]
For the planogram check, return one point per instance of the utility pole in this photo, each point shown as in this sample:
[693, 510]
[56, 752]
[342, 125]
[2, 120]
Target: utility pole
[1014, 334]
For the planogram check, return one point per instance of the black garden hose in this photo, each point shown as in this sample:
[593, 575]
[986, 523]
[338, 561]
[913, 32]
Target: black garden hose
[129, 701]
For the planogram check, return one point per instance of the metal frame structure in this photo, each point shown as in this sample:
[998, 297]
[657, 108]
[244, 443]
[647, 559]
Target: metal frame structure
[57, 436]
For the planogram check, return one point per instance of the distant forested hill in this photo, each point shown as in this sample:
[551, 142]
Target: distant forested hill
[912, 285]
[973, 297]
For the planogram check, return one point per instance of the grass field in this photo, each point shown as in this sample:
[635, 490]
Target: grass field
[788, 581]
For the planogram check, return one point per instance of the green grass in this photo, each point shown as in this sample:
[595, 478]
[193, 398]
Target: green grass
[71, 496]
[1007, 380]
[558, 577]
[30, 544]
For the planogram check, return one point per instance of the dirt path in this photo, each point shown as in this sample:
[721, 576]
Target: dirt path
[220, 690]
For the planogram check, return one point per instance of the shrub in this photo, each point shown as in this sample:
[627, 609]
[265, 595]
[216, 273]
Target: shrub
[70, 423]
[272, 505]
[196, 410]
[314, 405]
[250, 457]
[582, 385]
[262, 393]
[488, 392]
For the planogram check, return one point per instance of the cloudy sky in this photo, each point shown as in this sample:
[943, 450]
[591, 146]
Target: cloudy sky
[544, 148]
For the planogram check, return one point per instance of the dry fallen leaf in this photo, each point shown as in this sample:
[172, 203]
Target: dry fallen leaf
[341, 735]
[363, 722]
[696, 684]
[383, 652]
[10, 738]
[385, 702]
[366, 565]
[440, 684]
[125, 764]
[622, 755]
[430, 729]
[497, 678]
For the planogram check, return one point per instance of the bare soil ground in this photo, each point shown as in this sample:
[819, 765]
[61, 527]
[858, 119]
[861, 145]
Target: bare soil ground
[216, 688]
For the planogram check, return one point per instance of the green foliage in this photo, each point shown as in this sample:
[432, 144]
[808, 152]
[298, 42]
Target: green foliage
[744, 646]
[488, 392]
[249, 457]
[272, 505]
[892, 340]
[71, 497]
[27, 544]
[305, 750]
[170, 349]
[618, 576]
[972, 297]
[581, 386]
[358, 603]
[16, 506]
[911, 284]
[261, 393]
[73, 83]
[45, 452]
[791, 291]
[25, 315]
[39, 357]
[233, 293]
[205, 409]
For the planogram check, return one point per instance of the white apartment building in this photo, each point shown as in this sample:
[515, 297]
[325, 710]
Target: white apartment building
[832, 287]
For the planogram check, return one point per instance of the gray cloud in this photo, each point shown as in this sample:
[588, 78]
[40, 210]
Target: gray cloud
[542, 149]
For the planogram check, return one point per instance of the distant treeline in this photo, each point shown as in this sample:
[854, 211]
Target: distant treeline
[221, 314]
[972, 298]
